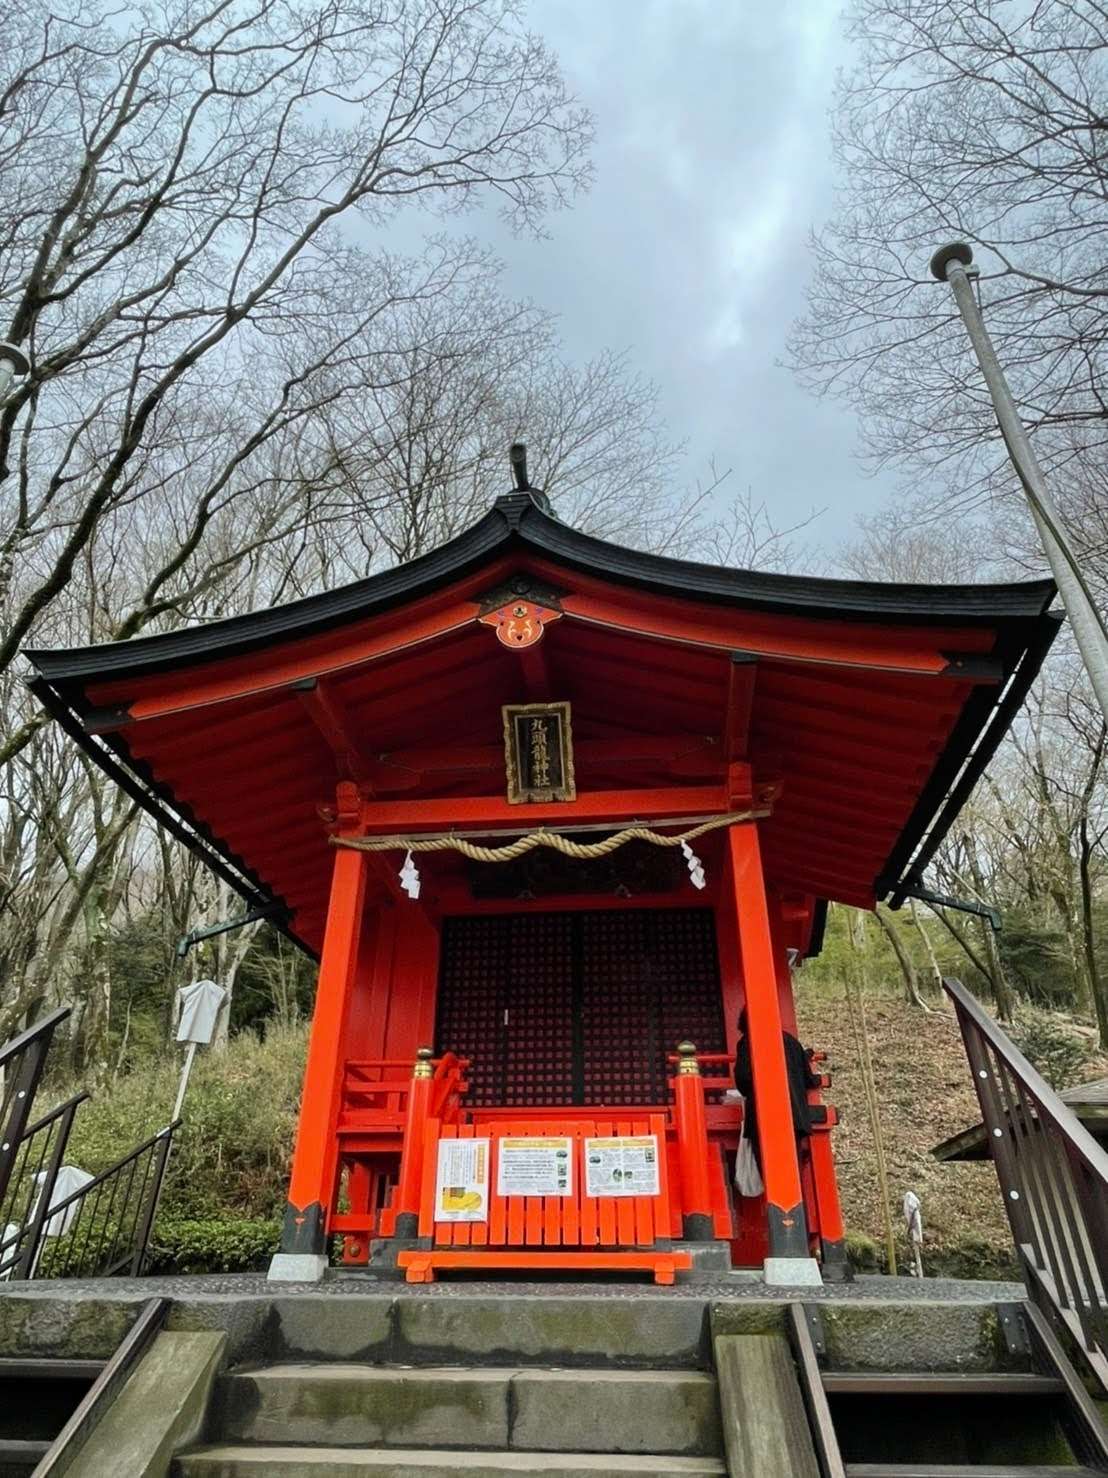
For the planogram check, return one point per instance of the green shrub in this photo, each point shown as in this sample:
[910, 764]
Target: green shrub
[231, 1154]
[212, 1246]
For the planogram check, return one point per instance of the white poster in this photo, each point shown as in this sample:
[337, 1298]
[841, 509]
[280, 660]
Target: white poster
[462, 1180]
[535, 1167]
[627, 1166]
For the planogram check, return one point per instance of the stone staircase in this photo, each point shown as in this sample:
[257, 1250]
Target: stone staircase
[243, 1382]
[344, 1419]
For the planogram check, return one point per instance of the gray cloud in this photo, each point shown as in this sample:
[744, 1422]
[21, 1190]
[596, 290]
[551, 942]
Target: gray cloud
[712, 163]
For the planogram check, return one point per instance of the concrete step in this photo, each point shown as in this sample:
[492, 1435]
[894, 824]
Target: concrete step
[609, 1411]
[234, 1461]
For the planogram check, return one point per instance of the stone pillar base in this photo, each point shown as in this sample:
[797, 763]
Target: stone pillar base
[792, 1272]
[297, 1267]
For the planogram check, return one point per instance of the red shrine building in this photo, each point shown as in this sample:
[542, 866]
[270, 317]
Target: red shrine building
[551, 813]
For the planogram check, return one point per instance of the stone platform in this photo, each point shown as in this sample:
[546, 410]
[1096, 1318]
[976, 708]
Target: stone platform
[360, 1378]
[356, 1317]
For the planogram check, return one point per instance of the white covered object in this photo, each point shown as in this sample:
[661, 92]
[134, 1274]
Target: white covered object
[197, 1009]
[70, 1180]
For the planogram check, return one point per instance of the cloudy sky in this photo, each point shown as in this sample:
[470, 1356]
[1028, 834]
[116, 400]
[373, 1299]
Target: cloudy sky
[713, 164]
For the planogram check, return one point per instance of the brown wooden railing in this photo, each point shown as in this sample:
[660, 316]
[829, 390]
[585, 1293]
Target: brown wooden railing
[1053, 1177]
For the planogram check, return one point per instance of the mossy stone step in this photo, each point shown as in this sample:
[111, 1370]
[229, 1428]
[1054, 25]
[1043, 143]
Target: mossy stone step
[337, 1404]
[235, 1461]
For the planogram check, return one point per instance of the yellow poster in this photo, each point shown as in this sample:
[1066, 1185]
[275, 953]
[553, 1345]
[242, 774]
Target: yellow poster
[462, 1180]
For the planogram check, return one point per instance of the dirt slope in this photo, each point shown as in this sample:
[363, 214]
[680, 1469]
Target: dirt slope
[926, 1094]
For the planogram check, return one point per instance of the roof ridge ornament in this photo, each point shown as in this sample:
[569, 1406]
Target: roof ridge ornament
[515, 504]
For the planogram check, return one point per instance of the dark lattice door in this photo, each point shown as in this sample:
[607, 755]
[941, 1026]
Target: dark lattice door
[577, 1008]
[506, 1002]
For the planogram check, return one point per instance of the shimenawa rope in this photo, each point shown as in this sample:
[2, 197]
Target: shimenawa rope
[582, 851]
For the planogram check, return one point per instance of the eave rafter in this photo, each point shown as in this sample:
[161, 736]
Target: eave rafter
[742, 678]
[327, 713]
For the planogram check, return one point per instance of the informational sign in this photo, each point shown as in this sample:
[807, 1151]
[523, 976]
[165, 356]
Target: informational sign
[626, 1166]
[462, 1180]
[535, 1167]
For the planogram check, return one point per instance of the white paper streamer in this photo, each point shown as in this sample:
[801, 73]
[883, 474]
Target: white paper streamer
[409, 877]
[696, 867]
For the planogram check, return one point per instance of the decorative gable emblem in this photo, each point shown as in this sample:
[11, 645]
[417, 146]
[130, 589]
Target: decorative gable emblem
[519, 611]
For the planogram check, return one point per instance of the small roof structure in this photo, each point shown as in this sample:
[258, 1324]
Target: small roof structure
[870, 708]
[1089, 1101]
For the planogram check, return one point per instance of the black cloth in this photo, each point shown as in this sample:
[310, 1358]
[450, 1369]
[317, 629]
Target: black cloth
[798, 1068]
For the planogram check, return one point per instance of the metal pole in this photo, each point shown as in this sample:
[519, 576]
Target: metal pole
[190, 1053]
[949, 265]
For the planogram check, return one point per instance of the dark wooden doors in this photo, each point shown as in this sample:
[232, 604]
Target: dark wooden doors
[577, 1008]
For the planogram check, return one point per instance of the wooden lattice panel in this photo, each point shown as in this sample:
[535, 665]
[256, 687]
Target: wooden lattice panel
[651, 979]
[577, 1008]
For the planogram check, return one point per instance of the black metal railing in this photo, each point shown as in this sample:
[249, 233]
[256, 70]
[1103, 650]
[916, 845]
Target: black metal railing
[104, 1227]
[31, 1188]
[97, 1229]
[1053, 1177]
[21, 1065]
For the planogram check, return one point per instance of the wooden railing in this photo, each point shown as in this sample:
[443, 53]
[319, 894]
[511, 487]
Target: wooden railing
[1053, 1177]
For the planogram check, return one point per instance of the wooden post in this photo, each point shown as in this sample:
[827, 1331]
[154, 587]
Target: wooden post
[692, 1146]
[410, 1183]
[315, 1159]
[832, 1235]
[786, 1222]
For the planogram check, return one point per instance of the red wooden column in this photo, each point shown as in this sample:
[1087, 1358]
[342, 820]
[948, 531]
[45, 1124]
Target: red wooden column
[315, 1159]
[692, 1146]
[786, 1222]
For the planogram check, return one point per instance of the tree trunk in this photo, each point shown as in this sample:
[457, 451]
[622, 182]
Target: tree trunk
[904, 960]
[1002, 992]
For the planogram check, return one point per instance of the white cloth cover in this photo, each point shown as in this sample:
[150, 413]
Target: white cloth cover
[748, 1178]
[70, 1180]
[913, 1217]
[196, 1011]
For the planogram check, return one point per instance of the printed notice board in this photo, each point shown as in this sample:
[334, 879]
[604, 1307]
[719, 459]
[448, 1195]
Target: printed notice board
[462, 1180]
[535, 1167]
[626, 1165]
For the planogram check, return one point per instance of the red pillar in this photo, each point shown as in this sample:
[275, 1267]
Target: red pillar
[692, 1146]
[315, 1159]
[787, 1226]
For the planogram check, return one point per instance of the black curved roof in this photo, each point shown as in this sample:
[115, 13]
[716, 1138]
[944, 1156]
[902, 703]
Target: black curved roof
[521, 520]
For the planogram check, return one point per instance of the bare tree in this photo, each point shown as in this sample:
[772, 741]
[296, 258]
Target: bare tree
[176, 187]
[985, 123]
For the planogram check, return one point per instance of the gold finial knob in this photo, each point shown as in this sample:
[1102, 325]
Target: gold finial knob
[423, 1067]
[687, 1064]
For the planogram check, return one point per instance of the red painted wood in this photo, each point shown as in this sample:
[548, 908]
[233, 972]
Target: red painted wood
[314, 1163]
[780, 1170]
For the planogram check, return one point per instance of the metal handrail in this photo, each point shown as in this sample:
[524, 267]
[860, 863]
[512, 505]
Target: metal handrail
[1053, 1177]
[26, 1053]
[34, 1187]
[45, 1027]
[157, 1146]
